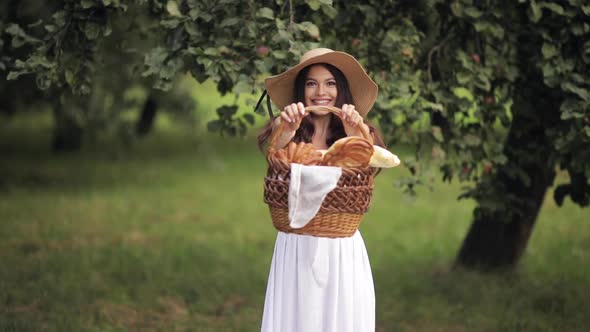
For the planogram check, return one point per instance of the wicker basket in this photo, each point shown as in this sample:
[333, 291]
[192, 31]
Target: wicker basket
[342, 209]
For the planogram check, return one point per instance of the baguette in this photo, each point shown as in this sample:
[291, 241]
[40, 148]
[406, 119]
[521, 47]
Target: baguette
[383, 158]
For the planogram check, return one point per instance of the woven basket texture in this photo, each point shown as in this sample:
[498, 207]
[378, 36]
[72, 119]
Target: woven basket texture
[341, 212]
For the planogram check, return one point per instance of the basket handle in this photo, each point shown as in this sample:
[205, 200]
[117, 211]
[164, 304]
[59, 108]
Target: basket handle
[365, 133]
[338, 112]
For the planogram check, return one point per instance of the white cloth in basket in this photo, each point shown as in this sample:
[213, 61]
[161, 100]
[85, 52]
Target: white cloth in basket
[308, 187]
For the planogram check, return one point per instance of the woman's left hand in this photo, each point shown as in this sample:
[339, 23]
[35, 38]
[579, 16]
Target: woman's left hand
[351, 119]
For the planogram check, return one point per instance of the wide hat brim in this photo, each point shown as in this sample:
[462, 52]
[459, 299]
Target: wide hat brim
[364, 90]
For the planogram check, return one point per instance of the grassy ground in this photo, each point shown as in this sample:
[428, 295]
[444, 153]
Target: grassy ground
[173, 235]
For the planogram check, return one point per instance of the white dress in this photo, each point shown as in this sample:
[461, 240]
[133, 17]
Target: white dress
[319, 284]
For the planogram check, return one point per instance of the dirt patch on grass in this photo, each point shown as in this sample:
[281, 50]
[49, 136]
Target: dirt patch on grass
[170, 312]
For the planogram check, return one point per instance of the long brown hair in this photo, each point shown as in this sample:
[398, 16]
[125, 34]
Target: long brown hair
[335, 129]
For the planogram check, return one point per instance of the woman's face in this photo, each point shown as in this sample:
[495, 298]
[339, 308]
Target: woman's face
[320, 88]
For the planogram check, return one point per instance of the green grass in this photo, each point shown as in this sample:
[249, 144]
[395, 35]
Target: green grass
[172, 235]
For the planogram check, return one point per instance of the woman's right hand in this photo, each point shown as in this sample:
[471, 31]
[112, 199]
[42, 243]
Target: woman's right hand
[292, 115]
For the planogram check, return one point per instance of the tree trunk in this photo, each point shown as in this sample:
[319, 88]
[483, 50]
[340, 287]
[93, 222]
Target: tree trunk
[499, 233]
[67, 133]
[497, 239]
[147, 116]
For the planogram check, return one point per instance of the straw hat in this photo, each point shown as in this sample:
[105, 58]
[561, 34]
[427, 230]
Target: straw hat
[364, 91]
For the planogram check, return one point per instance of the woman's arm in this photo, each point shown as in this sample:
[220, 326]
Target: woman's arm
[281, 135]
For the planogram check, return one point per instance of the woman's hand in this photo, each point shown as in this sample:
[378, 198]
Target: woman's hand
[292, 116]
[352, 120]
[290, 119]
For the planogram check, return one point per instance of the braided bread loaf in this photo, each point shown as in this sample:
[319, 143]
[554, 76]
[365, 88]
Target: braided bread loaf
[300, 153]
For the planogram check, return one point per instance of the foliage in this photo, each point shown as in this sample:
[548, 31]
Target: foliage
[88, 56]
[448, 71]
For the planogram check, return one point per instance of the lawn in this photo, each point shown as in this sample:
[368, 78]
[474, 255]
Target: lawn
[171, 234]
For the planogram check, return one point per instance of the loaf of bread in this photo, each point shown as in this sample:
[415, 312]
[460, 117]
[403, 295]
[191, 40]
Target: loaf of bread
[383, 158]
[306, 154]
[300, 153]
[349, 152]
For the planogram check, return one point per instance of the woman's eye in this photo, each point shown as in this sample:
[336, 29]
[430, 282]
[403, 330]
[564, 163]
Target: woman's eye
[310, 84]
[331, 83]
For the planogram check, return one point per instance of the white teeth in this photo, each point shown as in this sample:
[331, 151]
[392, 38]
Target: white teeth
[321, 102]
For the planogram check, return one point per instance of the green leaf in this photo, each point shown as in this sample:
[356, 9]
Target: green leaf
[437, 134]
[87, 4]
[108, 29]
[484, 26]
[463, 93]
[91, 30]
[577, 29]
[59, 18]
[580, 92]
[227, 111]
[552, 7]
[571, 109]
[69, 75]
[154, 60]
[434, 106]
[472, 140]
[170, 23]
[249, 118]
[19, 36]
[265, 12]
[483, 82]
[456, 8]
[438, 153]
[472, 12]
[549, 74]
[172, 8]
[13, 75]
[280, 54]
[311, 29]
[497, 31]
[43, 81]
[229, 22]
[214, 126]
[549, 50]
[313, 4]
[500, 159]
[194, 13]
[330, 11]
[211, 51]
[35, 24]
[242, 86]
[463, 78]
[534, 12]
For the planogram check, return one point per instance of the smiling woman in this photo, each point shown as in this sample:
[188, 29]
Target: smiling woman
[317, 282]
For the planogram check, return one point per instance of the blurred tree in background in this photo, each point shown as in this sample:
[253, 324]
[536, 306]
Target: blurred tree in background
[492, 93]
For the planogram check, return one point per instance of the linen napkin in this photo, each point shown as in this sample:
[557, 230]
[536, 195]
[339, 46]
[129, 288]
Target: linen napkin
[308, 187]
